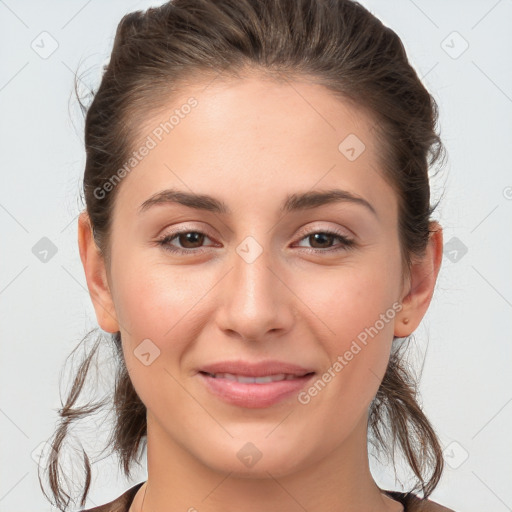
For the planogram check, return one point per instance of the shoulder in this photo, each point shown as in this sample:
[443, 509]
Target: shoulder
[413, 503]
[120, 504]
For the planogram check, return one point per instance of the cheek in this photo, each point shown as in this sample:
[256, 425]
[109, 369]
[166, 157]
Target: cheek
[355, 308]
[163, 303]
[350, 299]
[150, 296]
[156, 302]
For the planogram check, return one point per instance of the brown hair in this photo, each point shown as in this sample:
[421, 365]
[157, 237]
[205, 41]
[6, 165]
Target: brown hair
[336, 43]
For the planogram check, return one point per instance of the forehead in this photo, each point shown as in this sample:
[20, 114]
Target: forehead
[260, 136]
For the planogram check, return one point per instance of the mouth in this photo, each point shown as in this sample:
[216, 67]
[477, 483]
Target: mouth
[254, 392]
[247, 379]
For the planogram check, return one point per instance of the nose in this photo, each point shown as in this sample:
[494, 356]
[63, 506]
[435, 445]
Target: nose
[255, 303]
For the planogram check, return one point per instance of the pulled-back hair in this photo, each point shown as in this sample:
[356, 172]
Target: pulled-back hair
[336, 43]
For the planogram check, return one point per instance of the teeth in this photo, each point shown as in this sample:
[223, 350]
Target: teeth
[253, 380]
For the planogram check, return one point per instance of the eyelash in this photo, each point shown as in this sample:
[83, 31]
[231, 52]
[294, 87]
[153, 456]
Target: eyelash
[347, 243]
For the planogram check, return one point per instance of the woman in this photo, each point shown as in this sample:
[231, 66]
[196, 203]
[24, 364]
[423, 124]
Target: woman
[258, 241]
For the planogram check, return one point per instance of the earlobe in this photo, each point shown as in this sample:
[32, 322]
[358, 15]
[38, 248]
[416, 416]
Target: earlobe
[96, 276]
[422, 281]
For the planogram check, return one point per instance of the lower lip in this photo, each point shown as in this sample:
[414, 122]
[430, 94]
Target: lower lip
[254, 395]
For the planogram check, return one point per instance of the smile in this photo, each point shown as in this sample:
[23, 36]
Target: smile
[253, 392]
[253, 380]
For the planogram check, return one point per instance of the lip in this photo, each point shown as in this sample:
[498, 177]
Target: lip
[254, 395]
[256, 369]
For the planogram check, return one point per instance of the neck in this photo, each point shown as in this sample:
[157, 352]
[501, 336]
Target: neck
[340, 481]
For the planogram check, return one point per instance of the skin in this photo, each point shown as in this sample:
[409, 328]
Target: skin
[250, 142]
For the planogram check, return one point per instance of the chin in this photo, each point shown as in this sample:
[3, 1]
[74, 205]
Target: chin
[255, 456]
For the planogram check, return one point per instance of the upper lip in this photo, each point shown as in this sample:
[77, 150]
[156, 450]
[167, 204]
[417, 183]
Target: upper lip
[257, 369]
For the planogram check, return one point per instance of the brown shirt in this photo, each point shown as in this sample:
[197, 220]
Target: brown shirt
[411, 502]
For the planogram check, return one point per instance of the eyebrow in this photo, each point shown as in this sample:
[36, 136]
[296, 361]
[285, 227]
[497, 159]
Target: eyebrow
[292, 203]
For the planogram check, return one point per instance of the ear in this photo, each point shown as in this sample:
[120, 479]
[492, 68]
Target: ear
[96, 276]
[422, 281]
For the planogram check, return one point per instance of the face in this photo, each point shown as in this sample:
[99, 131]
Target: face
[264, 275]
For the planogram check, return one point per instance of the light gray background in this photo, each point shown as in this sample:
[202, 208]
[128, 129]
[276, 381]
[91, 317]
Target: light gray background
[45, 308]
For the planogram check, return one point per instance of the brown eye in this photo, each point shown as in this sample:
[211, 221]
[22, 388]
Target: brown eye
[321, 242]
[190, 238]
[188, 242]
[322, 239]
